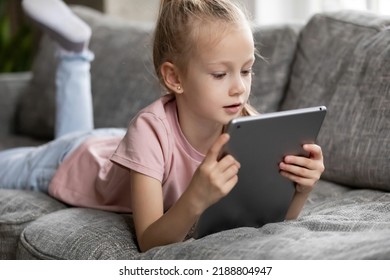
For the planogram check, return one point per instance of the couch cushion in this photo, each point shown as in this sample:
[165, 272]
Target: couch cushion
[343, 62]
[276, 46]
[337, 223]
[78, 233]
[17, 210]
[122, 75]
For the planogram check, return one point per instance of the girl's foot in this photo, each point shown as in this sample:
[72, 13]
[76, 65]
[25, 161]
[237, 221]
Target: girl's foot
[55, 17]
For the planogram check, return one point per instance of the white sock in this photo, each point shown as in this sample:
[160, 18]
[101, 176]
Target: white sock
[55, 17]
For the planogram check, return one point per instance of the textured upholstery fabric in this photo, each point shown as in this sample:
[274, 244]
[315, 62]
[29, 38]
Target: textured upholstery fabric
[11, 86]
[337, 223]
[15, 141]
[346, 66]
[35, 117]
[80, 234]
[276, 46]
[122, 76]
[18, 209]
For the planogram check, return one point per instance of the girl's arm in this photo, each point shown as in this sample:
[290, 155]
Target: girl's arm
[212, 180]
[296, 205]
[153, 227]
[305, 172]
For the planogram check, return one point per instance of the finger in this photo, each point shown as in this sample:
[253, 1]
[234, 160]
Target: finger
[213, 153]
[300, 171]
[230, 172]
[231, 179]
[223, 171]
[314, 150]
[299, 161]
[228, 161]
[231, 183]
[308, 163]
[305, 183]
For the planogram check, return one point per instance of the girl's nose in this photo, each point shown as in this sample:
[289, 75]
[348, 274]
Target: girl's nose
[238, 86]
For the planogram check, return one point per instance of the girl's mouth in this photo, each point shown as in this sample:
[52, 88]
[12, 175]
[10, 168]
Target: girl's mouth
[233, 108]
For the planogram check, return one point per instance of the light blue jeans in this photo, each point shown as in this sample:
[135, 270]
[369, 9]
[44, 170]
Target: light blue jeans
[32, 168]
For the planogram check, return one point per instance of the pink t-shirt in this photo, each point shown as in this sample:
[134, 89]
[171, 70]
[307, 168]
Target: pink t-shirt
[96, 174]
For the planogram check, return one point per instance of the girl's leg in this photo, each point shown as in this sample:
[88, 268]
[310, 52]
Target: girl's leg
[74, 109]
[33, 168]
[73, 82]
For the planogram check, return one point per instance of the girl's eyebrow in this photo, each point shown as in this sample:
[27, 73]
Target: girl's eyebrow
[228, 62]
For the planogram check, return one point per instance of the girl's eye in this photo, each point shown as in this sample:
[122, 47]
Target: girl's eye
[218, 75]
[247, 72]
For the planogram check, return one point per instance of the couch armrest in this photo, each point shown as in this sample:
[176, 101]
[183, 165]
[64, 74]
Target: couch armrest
[12, 85]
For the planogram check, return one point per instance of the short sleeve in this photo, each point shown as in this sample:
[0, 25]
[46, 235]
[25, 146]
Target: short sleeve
[145, 147]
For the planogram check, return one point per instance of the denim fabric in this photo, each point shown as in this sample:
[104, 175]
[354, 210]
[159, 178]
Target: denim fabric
[73, 96]
[32, 168]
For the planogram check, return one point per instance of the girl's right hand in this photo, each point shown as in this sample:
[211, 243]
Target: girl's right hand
[215, 177]
[212, 180]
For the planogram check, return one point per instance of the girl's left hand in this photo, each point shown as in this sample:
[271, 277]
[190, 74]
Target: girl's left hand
[305, 172]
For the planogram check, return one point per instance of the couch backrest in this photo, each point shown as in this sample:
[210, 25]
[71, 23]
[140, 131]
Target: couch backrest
[276, 46]
[343, 62]
[123, 79]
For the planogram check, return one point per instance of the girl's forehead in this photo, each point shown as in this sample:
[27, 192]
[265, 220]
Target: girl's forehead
[210, 34]
[215, 41]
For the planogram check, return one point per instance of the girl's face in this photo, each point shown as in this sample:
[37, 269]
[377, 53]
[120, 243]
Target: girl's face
[219, 74]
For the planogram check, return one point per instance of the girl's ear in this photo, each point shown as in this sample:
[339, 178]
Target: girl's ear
[170, 75]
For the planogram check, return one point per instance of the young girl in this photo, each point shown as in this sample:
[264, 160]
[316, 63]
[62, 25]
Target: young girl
[166, 170]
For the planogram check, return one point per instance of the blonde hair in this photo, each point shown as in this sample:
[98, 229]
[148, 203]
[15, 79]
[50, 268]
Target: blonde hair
[178, 25]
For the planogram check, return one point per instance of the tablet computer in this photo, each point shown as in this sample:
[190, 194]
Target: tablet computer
[260, 143]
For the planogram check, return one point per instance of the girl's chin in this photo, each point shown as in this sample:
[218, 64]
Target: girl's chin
[228, 120]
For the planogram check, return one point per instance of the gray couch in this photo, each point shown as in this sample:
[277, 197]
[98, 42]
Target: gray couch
[340, 60]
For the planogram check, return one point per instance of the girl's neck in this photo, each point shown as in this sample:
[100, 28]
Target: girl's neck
[201, 134]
